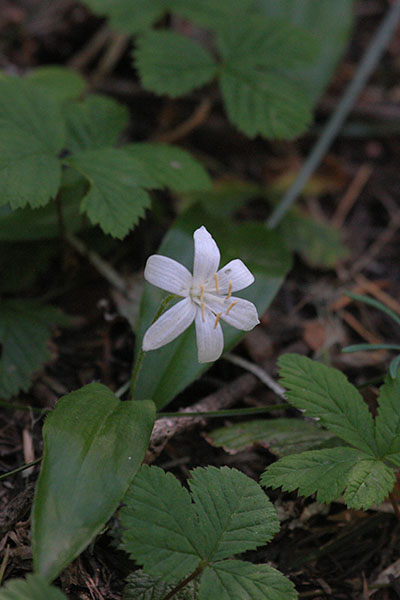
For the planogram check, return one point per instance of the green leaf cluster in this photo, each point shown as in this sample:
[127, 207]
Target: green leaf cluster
[50, 135]
[173, 533]
[362, 470]
[31, 588]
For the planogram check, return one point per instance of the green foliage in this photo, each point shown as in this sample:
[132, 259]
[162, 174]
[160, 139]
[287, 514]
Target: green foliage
[169, 63]
[60, 83]
[281, 436]
[129, 16]
[24, 333]
[141, 586]
[172, 532]
[31, 588]
[360, 473]
[167, 371]
[93, 446]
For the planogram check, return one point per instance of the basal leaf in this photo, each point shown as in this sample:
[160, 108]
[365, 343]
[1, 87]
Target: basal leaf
[172, 64]
[325, 393]
[234, 513]
[325, 472]
[280, 436]
[31, 136]
[159, 523]
[59, 83]
[24, 333]
[129, 16]
[369, 482]
[141, 586]
[31, 588]
[94, 122]
[170, 166]
[388, 421]
[237, 579]
[93, 446]
[115, 200]
[167, 371]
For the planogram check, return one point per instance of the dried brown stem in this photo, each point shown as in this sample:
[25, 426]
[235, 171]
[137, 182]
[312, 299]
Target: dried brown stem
[196, 119]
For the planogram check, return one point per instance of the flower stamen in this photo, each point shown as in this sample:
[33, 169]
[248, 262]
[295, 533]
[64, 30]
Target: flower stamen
[229, 290]
[217, 318]
[230, 307]
[202, 305]
[216, 282]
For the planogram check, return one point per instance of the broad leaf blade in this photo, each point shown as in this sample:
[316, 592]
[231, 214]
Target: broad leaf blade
[159, 525]
[24, 333]
[169, 63]
[141, 586]
[326, 472]
[211, 14]
[369, 482]
[325, 393]
[170, 166]
[226, 580]
[115, 200]
[388, 421]
[235, 515]
[167, 371]
[31, 588]
[60, 83]
[129, 16]
[281, 436]
[93, 446]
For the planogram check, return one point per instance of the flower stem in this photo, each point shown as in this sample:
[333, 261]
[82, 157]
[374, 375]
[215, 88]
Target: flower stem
[139, 359]
[188, 579]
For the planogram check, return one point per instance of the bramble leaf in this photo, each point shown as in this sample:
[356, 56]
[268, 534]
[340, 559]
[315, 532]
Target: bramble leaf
[94, 122]
[325, 393]
[141, 586]
[237, 579]
[31, 136]
[234, 513]
[129, 16]
[388, 421]
[59, 82]
[115, 200]
[172, 64]
[93, 447]
[170, 166]
[209, 13]
[32, 588]
[24, 332]
[369, 482]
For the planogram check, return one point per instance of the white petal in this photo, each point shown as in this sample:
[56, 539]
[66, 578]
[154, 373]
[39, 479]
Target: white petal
[238, 312]
[171, 324]
[206, 256]
[167, 274]
[237, 273]
[210, 339]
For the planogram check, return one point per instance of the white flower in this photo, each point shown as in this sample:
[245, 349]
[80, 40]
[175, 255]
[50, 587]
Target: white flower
[207, 298]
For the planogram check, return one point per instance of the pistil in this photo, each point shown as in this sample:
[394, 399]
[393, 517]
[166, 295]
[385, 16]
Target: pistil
[202, 305]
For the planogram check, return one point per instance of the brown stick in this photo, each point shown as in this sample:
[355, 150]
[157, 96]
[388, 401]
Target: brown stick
[198, 117]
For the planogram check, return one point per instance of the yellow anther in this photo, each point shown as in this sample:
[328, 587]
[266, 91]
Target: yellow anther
[229, 290]
[217, 318]
[230, 307]
[216, 282]
[202, 305]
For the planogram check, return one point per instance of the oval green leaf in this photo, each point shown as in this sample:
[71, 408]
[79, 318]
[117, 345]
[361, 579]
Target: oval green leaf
[93, 447]
[33, 587]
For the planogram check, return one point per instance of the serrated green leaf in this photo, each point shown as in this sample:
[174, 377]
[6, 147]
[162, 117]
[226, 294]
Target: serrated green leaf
[172, 64]
[165, 372]
[31, 588]
[234, 513]
[170, 166]
[93, 446]
[94, 122]
[318, 243]
[24, 332]
[388, 421]
[280, 436]
[31, 136]
[233, 579]
[209, 13]
[330, 23]
[369, 482]
[129, 16]
[115, 200]
[326, 472]
[159, 522]
[325, 393]
[141, 586]
[59, 82]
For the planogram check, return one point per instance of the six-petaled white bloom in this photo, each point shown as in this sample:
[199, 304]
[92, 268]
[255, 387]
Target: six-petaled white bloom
[207, 298]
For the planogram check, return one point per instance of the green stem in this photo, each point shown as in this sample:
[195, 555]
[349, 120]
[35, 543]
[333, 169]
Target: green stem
[188, 579]
[26, 466]
[331, 129]
[138, 364]
[12, 406]
[234, 412]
